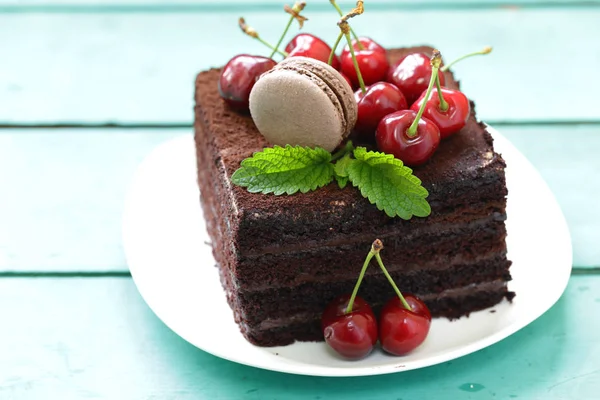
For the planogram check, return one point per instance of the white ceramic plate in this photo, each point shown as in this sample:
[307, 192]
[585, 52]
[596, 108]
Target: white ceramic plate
[172, 265]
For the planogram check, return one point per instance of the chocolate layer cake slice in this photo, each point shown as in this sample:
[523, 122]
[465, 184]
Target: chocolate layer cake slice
[283, 258]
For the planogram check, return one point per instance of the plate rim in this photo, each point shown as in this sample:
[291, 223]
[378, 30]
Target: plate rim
[326, 371]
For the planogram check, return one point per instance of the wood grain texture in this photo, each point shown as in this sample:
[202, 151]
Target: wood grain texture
[140, 67]
[24, 5]
[63, 191]
[62, 196]
[96, 339]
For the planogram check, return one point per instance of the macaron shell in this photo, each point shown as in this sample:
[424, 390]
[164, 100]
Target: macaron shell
[332, 78]
[296, 107]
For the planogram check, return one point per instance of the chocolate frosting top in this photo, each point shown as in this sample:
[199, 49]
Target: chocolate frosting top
[462, 162]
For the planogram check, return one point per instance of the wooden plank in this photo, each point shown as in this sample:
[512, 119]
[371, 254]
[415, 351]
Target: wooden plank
[27, 5]
[95, 338]
[62, 191]
[62, 196]
[140, 67]
[566, 156]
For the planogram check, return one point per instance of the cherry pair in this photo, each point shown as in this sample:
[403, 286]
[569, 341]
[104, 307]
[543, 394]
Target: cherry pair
[449, 110]
[413, 135]
[350, 327]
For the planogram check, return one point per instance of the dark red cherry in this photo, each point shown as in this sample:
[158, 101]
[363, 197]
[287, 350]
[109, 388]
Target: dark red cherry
[453, 118]
[352, 335]
[392, 137]
[412, 74]
[372, 61]
[239, 76]
[307, 45]
[402, 330]
[381, 99]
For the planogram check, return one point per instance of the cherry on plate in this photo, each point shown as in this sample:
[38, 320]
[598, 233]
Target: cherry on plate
[353, 335]
[402, 330]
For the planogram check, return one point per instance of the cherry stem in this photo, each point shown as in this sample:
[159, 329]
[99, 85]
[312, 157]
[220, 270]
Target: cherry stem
[248, 30]
[339, 10]
[269, 45]
[485, 50]
[435, 65]
[342, 152]
[285, 31]
[335, 45]
[443, 103]
[295, 14]
[361, 82]
[389, 278]
[373, 252]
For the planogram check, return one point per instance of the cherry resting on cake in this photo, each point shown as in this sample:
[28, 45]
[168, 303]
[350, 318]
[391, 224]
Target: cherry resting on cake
[371, 58]
[411, 75]
[348, 323]
[404, 321]
[450, 109]
[406, 134]
[380, 99]
[239, 76]
[307, 45]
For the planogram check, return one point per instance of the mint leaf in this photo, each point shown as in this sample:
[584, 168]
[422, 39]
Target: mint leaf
[341, 170]
[342, 181]
[286, 169]
[388, 184]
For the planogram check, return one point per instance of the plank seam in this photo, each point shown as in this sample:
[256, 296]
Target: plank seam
[576, 271]
[262, 7]
[186, 125]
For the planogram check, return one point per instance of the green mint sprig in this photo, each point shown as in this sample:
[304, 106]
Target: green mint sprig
[381, 178]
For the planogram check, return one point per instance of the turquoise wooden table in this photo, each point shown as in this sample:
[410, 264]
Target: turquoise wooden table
[87, 89]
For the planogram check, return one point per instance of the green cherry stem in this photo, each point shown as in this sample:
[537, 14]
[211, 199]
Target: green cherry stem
[375, 247]
[361, 82]
[287, 27]
[345, 28]
[389, 278]
[443, 103]
[253, 34]
[335, 45]
[295, 10]
[339, 10]
[436, 60]
[485, 50]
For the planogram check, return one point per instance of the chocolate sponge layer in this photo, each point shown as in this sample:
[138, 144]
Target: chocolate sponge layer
[287, 256]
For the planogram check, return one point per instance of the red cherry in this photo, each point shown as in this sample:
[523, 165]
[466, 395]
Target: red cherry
[239, 76]
[372, 61]
[381, 99]
[401, 330]
[454, 118]
[352, 335]
[307, 45]
[392, 137]
[412, 74]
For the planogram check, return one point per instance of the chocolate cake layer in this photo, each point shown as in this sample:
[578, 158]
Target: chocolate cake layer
[289, 255]
[307, 327]
[314, 297]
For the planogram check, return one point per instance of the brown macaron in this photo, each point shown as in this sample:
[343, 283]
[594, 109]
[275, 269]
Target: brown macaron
[303, 101]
